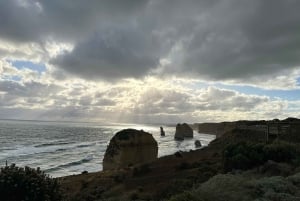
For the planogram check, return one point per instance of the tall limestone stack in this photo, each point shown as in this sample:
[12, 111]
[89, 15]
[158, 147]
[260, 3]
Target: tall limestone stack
[130, 147]
[182, 131]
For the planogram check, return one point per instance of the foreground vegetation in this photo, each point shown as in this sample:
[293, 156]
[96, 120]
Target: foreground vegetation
[242, 187]
[252, 171]
[27, 184]
[246, 155]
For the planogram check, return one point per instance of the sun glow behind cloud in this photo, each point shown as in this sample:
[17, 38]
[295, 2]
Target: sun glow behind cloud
[151, 100]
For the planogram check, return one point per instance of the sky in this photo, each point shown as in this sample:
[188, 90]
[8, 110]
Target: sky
[149, 61]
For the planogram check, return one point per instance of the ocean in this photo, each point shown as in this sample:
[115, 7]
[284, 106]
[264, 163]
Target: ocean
[67, 148]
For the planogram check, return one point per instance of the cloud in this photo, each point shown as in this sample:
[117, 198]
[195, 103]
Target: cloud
[286, 79]
[150, 100]
[115, 53]
[163, 101]
[213, 98]
[253, 40]
[20, 20]
[215, 40]
[38, 20]
[148, 60]
[232, 40]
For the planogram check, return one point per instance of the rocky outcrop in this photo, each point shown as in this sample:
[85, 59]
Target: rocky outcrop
[182, 131]
[162, 132]
[130, 147]
[198, 144]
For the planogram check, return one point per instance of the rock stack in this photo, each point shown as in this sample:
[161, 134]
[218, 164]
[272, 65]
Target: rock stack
[182, 131]
[130, 147]
[162, 132]
[198, 144]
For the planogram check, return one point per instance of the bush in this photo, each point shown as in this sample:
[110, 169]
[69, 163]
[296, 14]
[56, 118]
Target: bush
[242, 187]
[183, 166]
[248, 155]
[243, 156]
[141, 170]
[175, 187]
[27, 184]
[280, 152]
[185, 196]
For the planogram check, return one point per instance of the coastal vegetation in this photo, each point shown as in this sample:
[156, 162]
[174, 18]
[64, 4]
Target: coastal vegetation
[246, 155]
[236, 187]
[27, 184]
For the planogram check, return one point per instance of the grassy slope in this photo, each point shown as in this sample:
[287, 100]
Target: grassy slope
[163, 178]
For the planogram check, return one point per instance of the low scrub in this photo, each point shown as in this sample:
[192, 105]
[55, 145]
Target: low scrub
[186, 196]
[27, 184]
[141, 170]
[239, 187]
[245, 155]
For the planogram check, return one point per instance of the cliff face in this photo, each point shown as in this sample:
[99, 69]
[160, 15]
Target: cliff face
[275, 126]
[130, 147]
[217, 129]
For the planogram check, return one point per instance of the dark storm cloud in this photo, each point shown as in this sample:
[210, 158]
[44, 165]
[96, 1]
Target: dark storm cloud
[232, 39]
[37, 20]
[246, 38]
[19, 23]
[113, 53]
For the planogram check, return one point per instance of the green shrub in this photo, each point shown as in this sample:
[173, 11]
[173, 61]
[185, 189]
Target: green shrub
[134, 196]
[242, 187]
[183, 166]
[248, 155]
[141, 170]
[27, 184]
[186, 196]
[119, 177]
[276, 184]
[176, 186]
[280, 151]
[243, 156]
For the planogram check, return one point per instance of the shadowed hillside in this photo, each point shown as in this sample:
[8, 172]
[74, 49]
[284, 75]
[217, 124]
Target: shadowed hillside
[170, 176]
